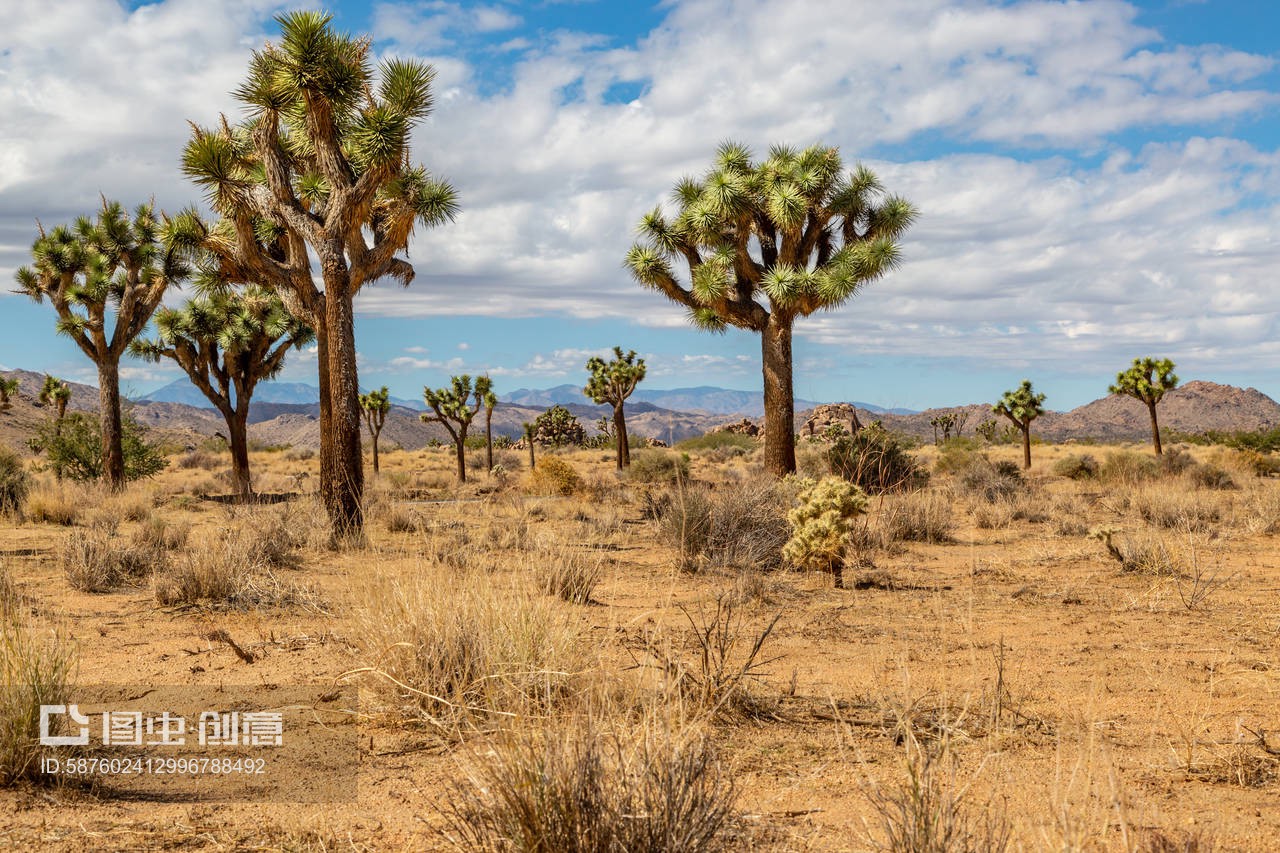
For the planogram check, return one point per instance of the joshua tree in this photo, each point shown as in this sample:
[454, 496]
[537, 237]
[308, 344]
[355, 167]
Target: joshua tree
[8, 387]
[227, 342]
[455, 407]
[321, 166]
[612, 382]
[1022, 407]
[375, 406]
[767, 242]
[528, 440]
[115, 265]
[57, 393]
[1147, 380]
[490, 402]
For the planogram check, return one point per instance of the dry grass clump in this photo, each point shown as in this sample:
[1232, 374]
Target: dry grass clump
[991, 481]
[743, 527]
[923, 516]
[56, 503]
[38, 664]
[161, 534]
[201, 460]
[484, 652]
[1128, 468]
[1211, 477]
[995, 515]
[569, 573]
[582, 788]
[1145, 555]
[15, 483]
[553, 475]
[1177, 509]
[655, 465]
[1076, 466]
[1259, 510]
[95, 559]
[233, 570]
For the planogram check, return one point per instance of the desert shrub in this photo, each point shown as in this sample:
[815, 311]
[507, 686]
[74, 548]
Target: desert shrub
[923, 516]
[15, 483]
[1250, 462]
[822, 523]
[992, 481]
[303, 454]
[555, 476]
[400, 520]
[876, 461]
[1127, 467]
[654, 465]
[993, 515]
[55, 504]
[466, 658]
[1175, 509]
[38, 665]
[718, 441]
[96, 560]
[158, 533]
[1076, 466]
[956, 455]
[569, 573]
[201, 459]
[232, 570]
[742, 528]
[582, 790]
[76, 451]
[1211, 477]
[1175, 461]
[1146, 555]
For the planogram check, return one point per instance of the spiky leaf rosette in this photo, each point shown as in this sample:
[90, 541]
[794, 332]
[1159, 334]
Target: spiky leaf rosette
[613, 381]
[1022, 405]
[1147, 379]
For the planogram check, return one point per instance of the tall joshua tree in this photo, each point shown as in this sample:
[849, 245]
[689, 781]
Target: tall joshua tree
[56, 393]
[115, 265]
[321, 166]
[490, 403]
[766, 242]
[612, 382]
[375, 405]
[455, 407]
[8, 387]
[227, 342]
[1147, 380]
[1022, 406]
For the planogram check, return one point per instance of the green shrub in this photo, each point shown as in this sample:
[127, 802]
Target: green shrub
[1076, 466]
[876, 461]
[553, 475]
[718, 440]
[1211, 477]
[654, 465]
[75, 452]
[15, 484]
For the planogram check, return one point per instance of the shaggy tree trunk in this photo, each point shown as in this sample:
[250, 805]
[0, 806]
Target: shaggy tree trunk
[460, 446]
[376, 432]
[1026, 445]
[488, 440]
[779, 399]
[620, 431]
[1155, 430]
[345, 511]
[529, 439]
[112, 433]
[327, 477]
[238, 436]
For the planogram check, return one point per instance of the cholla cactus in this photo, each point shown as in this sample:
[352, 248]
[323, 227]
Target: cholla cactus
[822, 523]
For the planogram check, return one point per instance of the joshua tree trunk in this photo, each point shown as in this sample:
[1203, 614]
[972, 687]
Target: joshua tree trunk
[460, 446]
[112, 434]
[488, 439]
[1155, 429]
[347, 487]
[327, 477]
[528, 437]
[1026, 445]
[238, 436]
[620, 432]
[62, 413]
[377, 430]
[779, 402]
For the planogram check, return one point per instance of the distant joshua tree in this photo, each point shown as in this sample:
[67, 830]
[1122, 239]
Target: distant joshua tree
[528, 440]
[1147, 380]
[228, 342]
[1022, 406]
[490, 403]
[115, 265]
[612, 382]
[766, 242]
[455, 407]
[8, 387]
[56, 393]
[375, 405]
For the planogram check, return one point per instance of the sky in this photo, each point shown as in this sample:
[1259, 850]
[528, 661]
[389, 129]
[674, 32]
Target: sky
[1096, 180]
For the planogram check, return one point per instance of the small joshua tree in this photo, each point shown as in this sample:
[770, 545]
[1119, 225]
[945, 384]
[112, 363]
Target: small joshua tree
[612, 382]
[7, 388]
[56, 393]
[1022, 407]
[375, 406]
[557, 427]
[490, 403]
[114, 265]
[528, 440]
[1147, 380]
[227, 342]
[455, 407]
[822, 523]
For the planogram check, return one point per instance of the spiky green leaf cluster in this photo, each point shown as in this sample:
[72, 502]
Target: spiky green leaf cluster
[1022, 405]
[791, 233]
[1147, 379]
[459, 402]
[822, 522]
[613, 381]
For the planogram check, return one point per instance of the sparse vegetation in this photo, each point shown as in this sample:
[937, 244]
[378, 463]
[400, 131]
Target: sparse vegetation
[554, 476]
[74, 449]
[876, 461]
[1021, 406]
[822, 524]
[15, 483]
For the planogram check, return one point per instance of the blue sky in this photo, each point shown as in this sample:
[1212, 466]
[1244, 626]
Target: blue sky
[1096, 180]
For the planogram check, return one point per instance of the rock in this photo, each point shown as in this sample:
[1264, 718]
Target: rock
[744, 427]
[839, 414]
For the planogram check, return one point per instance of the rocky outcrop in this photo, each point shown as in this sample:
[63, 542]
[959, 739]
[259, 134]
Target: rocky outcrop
[821, 418]
[746, 426]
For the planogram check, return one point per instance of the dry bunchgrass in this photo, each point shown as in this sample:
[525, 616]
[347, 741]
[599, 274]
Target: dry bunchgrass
[487, 651]
[1145, 553]
[567, 572]
[96, 559]
[57, 503]
[742, 528]
[586, 787]
[38, 662]
[234, 572]
[1176, 508]
[920, 516]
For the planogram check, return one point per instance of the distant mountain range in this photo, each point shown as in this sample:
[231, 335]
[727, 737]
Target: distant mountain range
[704, 398]
[288, 393]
